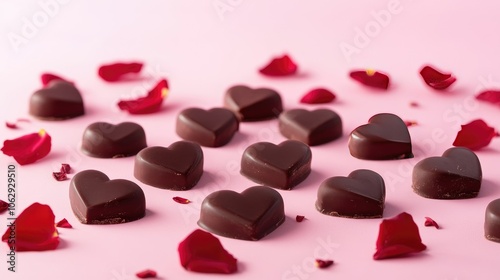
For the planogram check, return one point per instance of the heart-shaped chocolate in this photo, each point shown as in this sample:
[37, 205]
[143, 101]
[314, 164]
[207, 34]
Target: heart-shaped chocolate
[97, 200]
[492, 221]
[456, 174]
[359, 195]
[280, 166]
[178, 167]
[104, 140]
[253, 104]
[212, 128]
[251, 215]
[384, 137]
[311, 127]
[58, 100]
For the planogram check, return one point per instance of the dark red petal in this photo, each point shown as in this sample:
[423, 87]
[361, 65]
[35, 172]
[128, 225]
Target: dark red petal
[60, 176]
[148, 104]
[436, 79]
[116, 71]
[181, 200]
[280, 66]
[398, 236]
[299, 218]
[474, 135]
[66, 168]
[48, 77]
[491, 96]
[430, 223]
[64, 224]
[11, 125]
[3, 206]
[35, 229]
[148, 273]
[323, 263]
[414, 104]
[411, 123]
[29, 148]
[203, 252]
[317, 96]
[371, 78]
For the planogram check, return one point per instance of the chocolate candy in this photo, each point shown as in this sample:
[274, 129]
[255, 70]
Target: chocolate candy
[97, 200]
[253, 104]
[57, 101]
[384, 137]
[104, 140]
[311, 127]
[492, 221]
[280, 166]
[178, 167]
[359, 195]
[212, 128]
[456, 174]
[251, 215]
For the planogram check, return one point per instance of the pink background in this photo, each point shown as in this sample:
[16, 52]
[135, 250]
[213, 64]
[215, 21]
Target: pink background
[202, 52]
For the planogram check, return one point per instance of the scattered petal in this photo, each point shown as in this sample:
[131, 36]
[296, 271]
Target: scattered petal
[13, 125]
[371, 78]
[64, 224]
[48, 77]
[203, 252]
[29, 148]
[181, 200]
[491, 96]
[474, 135]
[317, 96]
[299, 218]
[148, 104]
[398, 236]
[35, 229]
[414, 104]
[436, 79]
[323, 263]
[3, 206]
[60, 176]
[148, 273]
[116, 71]
[411, 123]
[66, 168]
[430, 223]
[280, 66]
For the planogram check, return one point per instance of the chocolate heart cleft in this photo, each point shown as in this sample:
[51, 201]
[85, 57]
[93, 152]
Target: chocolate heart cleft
[59, 100]
[253, 104]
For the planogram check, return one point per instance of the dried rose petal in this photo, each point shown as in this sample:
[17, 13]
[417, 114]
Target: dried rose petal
[410, 123]
[66, 168]
[474, 135]
[317, 96]
[48, 77]
[299, 218]
[323, 263]
[436, 79]
[29, 148]
[203, 252]
[60, 176]
[116, 71]
[398, 236]
[148, 104]
[3, 206]
[181, 200]
[64, 224]
[491, 96]
[280, 66]
[13, 125]
[35, 229]
[371, 78]
[148, 273]
[430, 223]
[414, 104]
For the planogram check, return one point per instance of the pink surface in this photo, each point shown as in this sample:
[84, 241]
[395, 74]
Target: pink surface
[202, 52]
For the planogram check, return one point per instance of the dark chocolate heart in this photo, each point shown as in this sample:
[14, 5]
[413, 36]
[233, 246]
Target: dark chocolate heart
[251, 215]
[97, 200]
[253, 104]
[492, 221]
[104, 140]
[280, 166]
[58, 100]
[178, 167]
[456, 174]
[311, 127]
[359, 195]
[384, 137]
[212, 128]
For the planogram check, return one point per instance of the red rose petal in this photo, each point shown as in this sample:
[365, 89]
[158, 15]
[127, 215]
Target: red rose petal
[398, 236]
[48, 77]
[203, 252]
[148, 104]
[371, 78]
[181, 200]
[64, 224]
[436, 79]
[66, 168]
[414, 104]
[13, 125]
[323, 263]
[3, 206]
[280, 66]
[491, 96]
[148, 273]
[299, 218]
[430, 223]
[474, 135]
[60, 176]
[35, 229]
[411, 123]
[29, 148]
[317, 96]
[116, 71]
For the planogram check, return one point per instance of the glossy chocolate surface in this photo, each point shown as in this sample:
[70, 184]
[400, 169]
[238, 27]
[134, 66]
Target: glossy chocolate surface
[178, 167]
[97, 200]
[492, 221]
[251, 215]
[59, 100]
[456, 174]
[253, 104]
